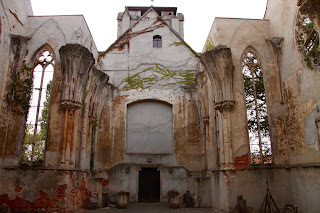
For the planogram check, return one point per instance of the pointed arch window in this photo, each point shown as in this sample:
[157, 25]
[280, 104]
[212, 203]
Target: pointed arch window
[257, 115]
[37, 120]
[157, 41]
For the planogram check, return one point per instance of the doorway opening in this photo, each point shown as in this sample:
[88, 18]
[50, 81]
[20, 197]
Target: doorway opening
[149, 185]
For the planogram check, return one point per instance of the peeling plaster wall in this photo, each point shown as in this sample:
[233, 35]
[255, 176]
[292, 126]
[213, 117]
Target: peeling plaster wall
[210, 143]
[132, 50]
[301, 90]
[10, 23]
[231, 184]
[187, 146]
[178, 180]
[55, 190]
[52, 186]
[132, 53]
[13, 50]
[292, 93]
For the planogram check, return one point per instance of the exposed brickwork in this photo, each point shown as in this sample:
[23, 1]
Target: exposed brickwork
[18, 188]
[227, 179]
[242, 161]
[60, 191]
[117, 101]
[43, 202]
[105, 182]
[17, 204]
[67, 197]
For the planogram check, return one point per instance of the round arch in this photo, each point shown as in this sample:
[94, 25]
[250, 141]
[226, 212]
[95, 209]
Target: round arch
[149, 128]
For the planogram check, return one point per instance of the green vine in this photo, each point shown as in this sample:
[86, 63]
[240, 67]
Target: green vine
[136, 81]
[208, 46]
[21, 90]
[178, 43]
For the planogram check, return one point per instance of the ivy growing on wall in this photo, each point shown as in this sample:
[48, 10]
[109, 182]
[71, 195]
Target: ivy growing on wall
[208, 46]
[307, 40]
[178, 43]
[20, 93]
[138, 82]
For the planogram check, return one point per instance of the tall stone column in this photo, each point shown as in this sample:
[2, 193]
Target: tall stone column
[76, 63]
[218, 64]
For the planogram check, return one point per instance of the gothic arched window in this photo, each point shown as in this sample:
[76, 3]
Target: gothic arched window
[37, 119]
[157, 41]
[257, 115]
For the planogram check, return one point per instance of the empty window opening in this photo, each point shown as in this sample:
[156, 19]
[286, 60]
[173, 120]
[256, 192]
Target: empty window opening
[257, 115]
[157, 41]
[37, 119]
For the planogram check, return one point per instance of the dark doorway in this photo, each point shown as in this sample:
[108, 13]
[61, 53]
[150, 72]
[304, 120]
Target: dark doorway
[149, 185]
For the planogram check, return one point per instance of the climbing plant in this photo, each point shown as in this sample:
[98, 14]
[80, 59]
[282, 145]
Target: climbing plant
[38, 106]
[178, 43]
[208, 46]
[307, 41]
[20, 93]
[138, 82]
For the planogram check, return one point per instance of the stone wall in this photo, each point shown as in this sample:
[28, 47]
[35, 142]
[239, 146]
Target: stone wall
[292, 98]
[64, 180]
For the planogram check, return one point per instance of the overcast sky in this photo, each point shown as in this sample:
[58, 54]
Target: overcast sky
[101, 15]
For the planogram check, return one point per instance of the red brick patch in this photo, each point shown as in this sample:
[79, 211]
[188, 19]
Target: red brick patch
[105, 182]
[242, 161]
[18, 188]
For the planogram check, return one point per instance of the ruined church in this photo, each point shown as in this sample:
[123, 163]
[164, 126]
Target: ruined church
[151, 119]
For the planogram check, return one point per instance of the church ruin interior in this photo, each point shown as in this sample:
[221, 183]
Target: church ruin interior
[151, 120]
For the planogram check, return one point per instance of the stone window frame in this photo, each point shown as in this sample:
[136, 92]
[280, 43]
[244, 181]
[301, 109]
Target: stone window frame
[266, 152]
[157, 41]
[306, 40]
[41, 59]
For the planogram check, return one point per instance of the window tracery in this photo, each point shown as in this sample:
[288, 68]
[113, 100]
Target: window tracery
[257, 116]
[37, 119]
[307, 41]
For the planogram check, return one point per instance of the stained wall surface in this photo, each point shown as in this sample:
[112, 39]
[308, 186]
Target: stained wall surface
[292, 98]
[197, 101]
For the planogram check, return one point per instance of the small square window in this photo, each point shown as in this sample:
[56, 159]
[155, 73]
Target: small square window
[157, 41]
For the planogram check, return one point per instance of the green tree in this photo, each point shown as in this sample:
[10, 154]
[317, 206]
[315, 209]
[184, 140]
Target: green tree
[256, 104]
[45, 113]
[40, 136]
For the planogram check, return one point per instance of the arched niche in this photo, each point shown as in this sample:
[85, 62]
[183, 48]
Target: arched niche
[149, 127]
